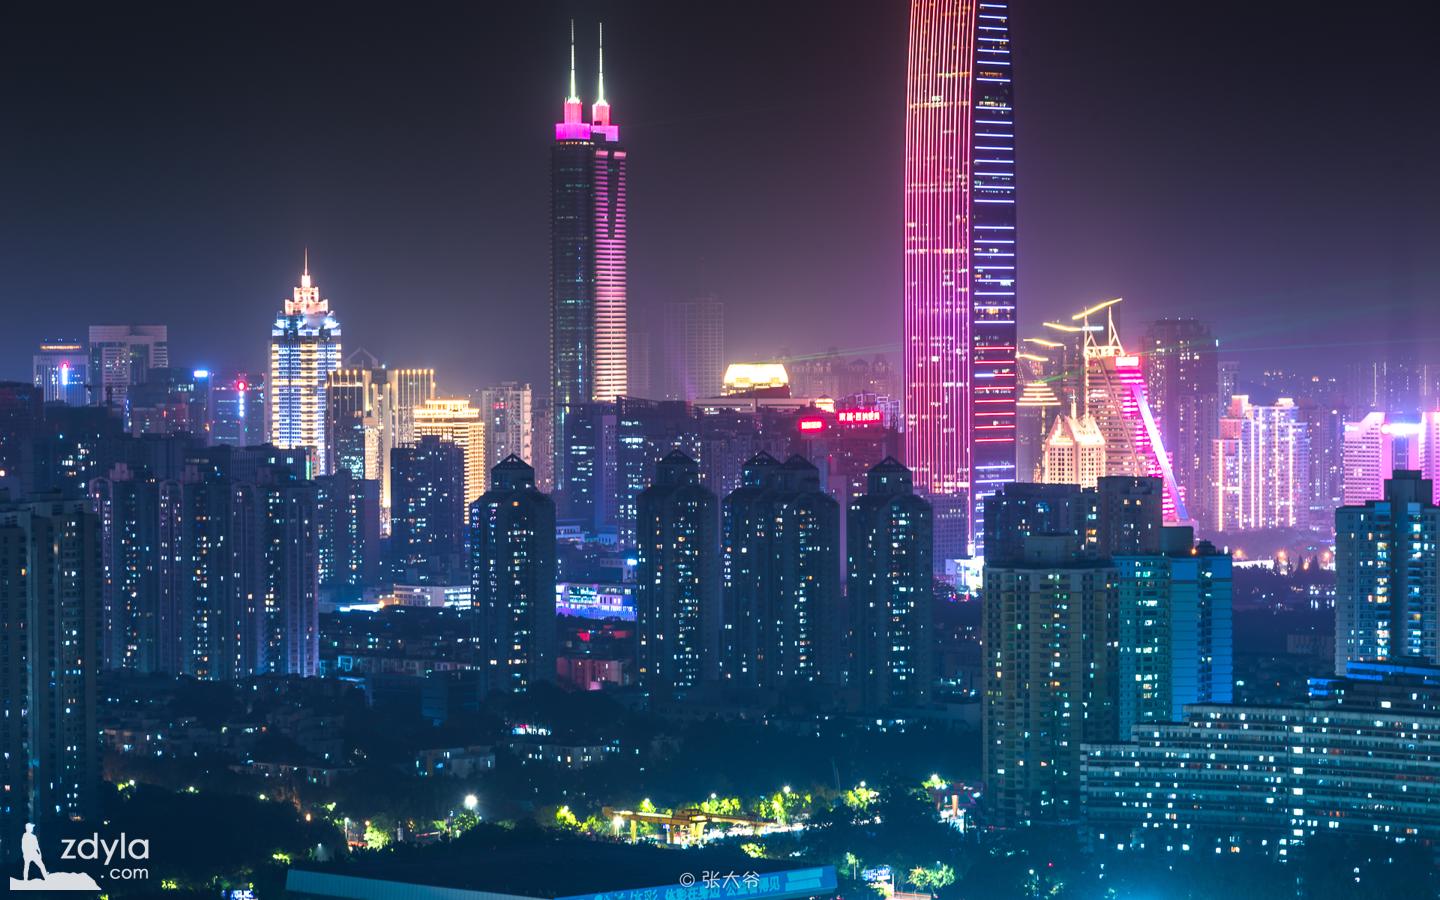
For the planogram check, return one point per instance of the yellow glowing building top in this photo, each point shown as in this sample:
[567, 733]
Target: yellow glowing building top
[453, 419]
[741, 378]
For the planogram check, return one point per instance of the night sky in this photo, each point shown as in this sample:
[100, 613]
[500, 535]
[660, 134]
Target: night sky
[1268, 166]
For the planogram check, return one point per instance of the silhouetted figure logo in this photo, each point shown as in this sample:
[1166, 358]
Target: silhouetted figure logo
[48, 881]
[30, 849]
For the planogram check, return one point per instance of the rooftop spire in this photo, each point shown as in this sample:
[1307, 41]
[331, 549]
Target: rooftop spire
[601, 98]
[600, 112]
[574, 93]
[305, 275]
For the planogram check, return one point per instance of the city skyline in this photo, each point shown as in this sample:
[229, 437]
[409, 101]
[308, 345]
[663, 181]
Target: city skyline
[770, 496]
[450, 266]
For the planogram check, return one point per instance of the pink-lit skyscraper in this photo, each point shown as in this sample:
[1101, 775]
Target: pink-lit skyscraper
[587, 260]
[960, 376]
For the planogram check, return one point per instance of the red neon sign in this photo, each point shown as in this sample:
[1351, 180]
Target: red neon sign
[858, 416]
[812, 424]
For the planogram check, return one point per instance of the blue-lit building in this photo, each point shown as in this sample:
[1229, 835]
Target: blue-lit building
[889, 546]
[513, 577]
[1176, 641]
[1387, 575]
[678, 583]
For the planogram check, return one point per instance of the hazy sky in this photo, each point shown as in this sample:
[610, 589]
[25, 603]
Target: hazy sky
[1268, 166]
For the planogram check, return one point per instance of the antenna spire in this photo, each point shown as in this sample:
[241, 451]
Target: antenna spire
[574, 93]
[602, 64]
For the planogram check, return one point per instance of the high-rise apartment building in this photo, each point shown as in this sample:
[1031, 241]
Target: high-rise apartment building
[49, 657]
[62, 372]
[512, 578]
[304, 350]
[1261, 470]
[890, 581]
[1387, 575]
[780, 577]
[213, 573]
[453, 419]
[959, 242]
[1049, 680]
[588, 256]
[677, 592]
[122, 355]
[509, 421]
[691, 359]
[1174, 628]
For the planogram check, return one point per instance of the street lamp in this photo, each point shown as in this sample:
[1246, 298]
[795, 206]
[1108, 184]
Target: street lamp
[471, 802]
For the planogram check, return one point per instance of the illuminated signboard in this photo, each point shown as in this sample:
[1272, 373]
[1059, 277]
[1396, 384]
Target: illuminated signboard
[858, 416]
[812, 426]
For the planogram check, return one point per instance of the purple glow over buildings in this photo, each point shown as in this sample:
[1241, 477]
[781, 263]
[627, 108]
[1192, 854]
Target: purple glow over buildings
[959, 341]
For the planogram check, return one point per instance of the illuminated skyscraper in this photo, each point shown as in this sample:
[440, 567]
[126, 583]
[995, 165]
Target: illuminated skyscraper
[588, 327]
[304, 350]
[959, 347]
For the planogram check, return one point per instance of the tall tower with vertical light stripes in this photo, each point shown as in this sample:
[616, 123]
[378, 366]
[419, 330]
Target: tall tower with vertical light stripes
[588, 255]
[960, 286]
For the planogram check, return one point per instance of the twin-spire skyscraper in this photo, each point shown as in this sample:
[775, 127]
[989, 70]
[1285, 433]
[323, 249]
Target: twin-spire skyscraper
[588, 251]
